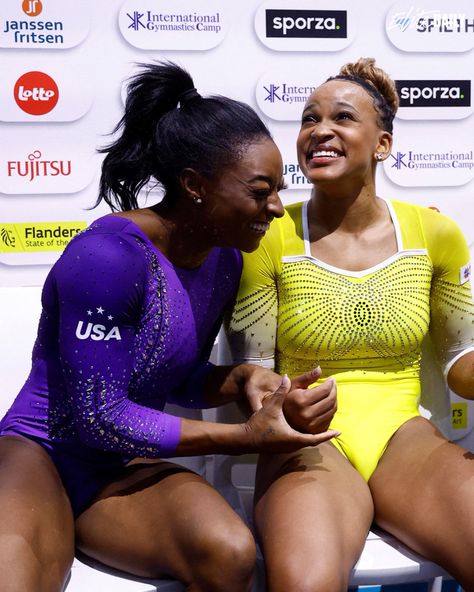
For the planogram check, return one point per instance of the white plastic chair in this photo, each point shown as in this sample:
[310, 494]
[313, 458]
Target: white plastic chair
[384, 560]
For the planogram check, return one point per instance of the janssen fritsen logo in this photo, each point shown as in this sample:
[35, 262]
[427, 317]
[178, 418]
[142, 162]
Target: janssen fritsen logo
[434, 93]
[36, 93]
[306, 23]
[32, 7]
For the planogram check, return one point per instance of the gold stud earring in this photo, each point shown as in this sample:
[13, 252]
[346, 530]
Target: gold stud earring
[379, 156]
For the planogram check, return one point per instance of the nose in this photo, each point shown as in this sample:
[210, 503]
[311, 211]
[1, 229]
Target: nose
[321, 130]
[274, 205]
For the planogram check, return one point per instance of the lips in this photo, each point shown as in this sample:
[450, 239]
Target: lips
[323, 155]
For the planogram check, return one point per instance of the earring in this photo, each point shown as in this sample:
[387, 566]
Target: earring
[379, 156]
[197, 200]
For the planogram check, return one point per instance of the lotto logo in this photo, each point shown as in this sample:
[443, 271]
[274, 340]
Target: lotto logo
[36, 93]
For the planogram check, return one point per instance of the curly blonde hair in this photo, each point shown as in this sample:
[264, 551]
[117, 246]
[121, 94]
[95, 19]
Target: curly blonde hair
[378, 84]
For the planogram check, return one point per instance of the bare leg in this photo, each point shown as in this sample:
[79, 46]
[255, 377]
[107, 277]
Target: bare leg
[312, 515]
[423, 491]
[160, 519]
[36, 523]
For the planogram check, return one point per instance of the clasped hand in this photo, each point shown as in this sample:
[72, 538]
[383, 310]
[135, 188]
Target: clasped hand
[290, 409]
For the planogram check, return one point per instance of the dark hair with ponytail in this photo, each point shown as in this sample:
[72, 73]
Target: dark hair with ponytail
[167, 127]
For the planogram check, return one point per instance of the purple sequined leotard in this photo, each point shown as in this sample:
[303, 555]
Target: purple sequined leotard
[122, 332]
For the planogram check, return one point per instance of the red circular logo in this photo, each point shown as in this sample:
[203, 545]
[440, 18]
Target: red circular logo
[32, 7]
[36, 93]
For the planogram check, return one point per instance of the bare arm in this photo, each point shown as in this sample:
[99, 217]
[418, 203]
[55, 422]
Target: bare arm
[265, 431]
[461, 376]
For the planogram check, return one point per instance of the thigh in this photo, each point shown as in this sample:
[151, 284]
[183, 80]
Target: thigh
[313, 511]
[36, 524]
[160, 519]
[423, 475]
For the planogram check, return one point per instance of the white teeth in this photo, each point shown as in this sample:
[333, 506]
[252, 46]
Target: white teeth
[331, 153]
[260, 226]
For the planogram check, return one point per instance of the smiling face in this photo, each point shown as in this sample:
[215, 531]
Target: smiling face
[340, 135]
[239, 204]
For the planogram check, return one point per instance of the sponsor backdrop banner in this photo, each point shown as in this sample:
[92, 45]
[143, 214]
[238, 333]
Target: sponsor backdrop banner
[65, 63]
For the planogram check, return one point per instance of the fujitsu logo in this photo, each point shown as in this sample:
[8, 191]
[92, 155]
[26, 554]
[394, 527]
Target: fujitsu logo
[36, 93]
[97, 331]
[36, 166]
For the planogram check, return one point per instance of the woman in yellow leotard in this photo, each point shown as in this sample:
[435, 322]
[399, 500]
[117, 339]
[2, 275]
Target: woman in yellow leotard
[356, 284]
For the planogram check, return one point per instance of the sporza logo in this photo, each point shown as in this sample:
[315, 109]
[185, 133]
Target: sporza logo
[306, 23]
[97, 331]
[434, 93]
[283, 25]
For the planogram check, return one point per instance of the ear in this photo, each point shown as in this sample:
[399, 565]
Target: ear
[384, 146]
[192, 185]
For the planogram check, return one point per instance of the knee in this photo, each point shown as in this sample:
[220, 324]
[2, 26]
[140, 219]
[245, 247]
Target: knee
[226, 560]
[307, 577]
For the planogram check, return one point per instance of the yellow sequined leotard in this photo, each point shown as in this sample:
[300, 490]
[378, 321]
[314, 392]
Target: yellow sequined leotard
[365, 328]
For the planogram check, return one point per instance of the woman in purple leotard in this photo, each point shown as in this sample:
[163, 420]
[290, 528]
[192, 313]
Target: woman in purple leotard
[130, 312]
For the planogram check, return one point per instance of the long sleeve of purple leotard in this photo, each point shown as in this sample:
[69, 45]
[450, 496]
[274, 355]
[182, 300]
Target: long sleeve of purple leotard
[99, 285]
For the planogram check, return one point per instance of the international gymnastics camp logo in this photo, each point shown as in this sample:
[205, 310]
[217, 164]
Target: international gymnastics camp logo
[36, 93]
[422, 166]
[178, 25]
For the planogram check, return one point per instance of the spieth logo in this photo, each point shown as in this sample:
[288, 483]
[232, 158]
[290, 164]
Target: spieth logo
[434, 93]
[97, 331]
[306, 23]
[415, 28]
[32, 7]
[36, 93]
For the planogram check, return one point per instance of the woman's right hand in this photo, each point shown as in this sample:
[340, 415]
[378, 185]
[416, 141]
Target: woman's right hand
[269, 430]
[310, 410]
